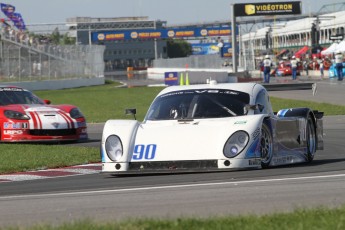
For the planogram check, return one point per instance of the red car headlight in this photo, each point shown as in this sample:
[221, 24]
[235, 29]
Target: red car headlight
[11, 114]
[76, 113]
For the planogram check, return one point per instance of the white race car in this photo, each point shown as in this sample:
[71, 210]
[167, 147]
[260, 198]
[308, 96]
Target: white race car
[211, 127]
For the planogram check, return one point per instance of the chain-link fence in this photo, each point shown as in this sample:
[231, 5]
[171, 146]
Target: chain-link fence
[22, 60]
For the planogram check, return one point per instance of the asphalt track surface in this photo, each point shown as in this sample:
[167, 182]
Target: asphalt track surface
[102, 197]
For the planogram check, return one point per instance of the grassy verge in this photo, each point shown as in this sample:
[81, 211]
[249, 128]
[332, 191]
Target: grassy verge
[320, 218]
[26, 157]
[101, 103]
[328, 109]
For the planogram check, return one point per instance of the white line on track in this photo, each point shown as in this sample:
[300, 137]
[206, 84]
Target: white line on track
[170, 187]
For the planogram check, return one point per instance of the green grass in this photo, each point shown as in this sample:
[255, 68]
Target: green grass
[26, 157]
[328, 109]
[101, 103]
[319, 218]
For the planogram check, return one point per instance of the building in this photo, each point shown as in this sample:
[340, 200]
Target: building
[124, 48]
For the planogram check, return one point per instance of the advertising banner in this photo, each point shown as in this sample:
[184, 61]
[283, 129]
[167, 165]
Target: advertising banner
[160, 33]
[205, 48]
[171, 78]
[267, 8]
[212, 48]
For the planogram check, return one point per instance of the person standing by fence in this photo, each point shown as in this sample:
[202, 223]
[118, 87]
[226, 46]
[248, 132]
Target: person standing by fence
[339, 65]
[267, 69]
[306, 67]
[321, 69]
[294, 67]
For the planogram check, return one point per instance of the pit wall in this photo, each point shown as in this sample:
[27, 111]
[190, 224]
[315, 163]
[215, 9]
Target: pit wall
[58, 84]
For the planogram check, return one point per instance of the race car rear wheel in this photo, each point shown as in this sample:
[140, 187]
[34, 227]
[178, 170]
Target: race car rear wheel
[311, 139]
[266, 146]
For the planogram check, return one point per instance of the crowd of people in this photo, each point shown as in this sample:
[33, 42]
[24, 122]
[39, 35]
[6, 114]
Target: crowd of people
[271, 66]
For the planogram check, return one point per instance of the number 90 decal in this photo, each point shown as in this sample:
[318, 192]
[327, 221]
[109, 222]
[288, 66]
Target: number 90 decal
[144, 152]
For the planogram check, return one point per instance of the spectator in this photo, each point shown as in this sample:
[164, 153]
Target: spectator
[306, 67]
[294, 67]
[34, 68]
[321, 67]
[39, 68]
[339, 65]
[267, 68]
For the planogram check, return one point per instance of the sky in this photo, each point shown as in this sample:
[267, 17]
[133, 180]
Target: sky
[173, 11]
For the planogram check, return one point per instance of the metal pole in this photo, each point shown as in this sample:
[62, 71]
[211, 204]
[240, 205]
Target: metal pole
[20, 65]
[30, 65]
[233, 39]
[155, 42]
[90, 43]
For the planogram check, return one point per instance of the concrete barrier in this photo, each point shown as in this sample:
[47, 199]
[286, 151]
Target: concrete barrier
[58, 84]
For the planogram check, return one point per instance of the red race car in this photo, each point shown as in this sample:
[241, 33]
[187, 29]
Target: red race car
[26, 118]
[284, 68]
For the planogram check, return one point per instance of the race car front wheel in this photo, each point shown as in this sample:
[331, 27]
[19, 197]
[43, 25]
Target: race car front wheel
[266, 145]
[311, 139]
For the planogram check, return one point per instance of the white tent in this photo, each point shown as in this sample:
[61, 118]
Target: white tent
[341, 47]
[330, 50]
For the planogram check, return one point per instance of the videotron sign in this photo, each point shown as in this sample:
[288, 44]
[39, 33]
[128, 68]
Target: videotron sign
[264, 9]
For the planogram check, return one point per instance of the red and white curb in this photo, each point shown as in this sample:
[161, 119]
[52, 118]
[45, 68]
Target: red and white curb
[51, 173]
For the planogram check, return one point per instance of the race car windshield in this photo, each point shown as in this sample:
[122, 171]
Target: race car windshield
[198, 104]
[10, 96]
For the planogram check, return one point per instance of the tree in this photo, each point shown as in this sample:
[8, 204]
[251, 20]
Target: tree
[178, 48]
[55, 36]
[67, 40]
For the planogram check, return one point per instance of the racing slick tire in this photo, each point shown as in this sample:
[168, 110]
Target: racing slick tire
[311, 138]
[266, 146]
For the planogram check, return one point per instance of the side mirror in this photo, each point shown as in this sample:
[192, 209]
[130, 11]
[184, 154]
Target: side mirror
[260, 107]
[254, 107]
[47, 102]
[131, 112]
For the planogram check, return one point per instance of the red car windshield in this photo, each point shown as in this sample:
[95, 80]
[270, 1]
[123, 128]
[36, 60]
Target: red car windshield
[10, 96]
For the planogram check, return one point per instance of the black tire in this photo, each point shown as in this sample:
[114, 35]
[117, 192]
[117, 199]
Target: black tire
[266, 146]
[311, 139]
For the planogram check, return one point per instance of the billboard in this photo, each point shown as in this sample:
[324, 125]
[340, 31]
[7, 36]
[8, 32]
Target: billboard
[160, 33]
[212, 48]
[205, 48]
[265, 8]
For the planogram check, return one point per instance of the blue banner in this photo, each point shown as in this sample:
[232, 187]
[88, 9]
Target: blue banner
[212, 48]
[16, 18]
[160, 33]
[205, 48]
[171, 78]
[7, 9]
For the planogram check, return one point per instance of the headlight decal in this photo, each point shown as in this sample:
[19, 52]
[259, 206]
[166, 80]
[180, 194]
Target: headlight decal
[102, 155]
[256, 133]
[253, 151]
[235, 144]
[113, 147]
